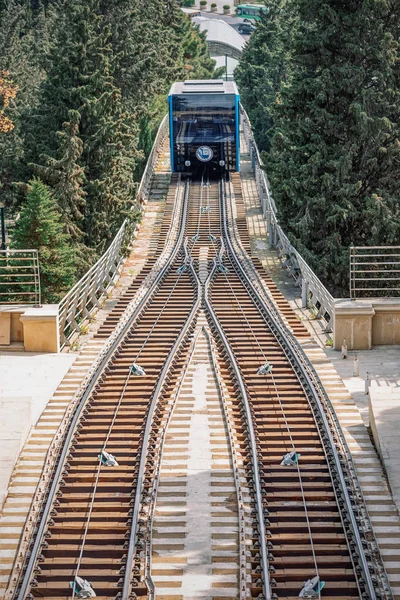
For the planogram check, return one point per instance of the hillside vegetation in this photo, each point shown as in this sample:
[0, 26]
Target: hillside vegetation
[83, 86]
[320, 80]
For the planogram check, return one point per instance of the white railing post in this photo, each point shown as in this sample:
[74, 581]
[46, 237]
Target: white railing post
[304, 293]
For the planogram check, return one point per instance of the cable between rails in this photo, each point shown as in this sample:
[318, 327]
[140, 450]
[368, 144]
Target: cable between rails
[107, 354]
[284, 417]
[98, 471]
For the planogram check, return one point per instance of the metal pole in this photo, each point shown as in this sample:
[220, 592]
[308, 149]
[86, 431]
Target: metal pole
[3, 228]
[304, 293]
[356, 366]
[271, 236]
[226, 67]
[367, 383]
[352, 267]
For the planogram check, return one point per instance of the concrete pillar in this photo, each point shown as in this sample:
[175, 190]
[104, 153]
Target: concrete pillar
[304, 293]
[271, 233]
[41, 329]
[5, 328]
[11, 329]
[353, 322]
[386, 322]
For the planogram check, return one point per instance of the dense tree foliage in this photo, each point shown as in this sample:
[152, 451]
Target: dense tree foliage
[92, 82]
[321, 83]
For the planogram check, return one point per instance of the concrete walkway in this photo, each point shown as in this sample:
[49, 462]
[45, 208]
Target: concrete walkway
[27, 383]
[33, 376]
[382, 364]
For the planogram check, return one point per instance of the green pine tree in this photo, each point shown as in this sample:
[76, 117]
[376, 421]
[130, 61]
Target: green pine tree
[80, 77]
[23, 37]
[334, 159]
[66, 177]
[40, 227]
[110, 63]
[266, 66]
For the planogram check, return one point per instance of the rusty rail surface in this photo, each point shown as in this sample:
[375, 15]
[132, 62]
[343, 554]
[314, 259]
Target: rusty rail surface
[307, 517]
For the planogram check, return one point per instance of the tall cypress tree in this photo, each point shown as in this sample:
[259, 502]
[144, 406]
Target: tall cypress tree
[80, 77]
[23, 37]
[66, 177]
[266, 67]
[109, 64]
[335, 150]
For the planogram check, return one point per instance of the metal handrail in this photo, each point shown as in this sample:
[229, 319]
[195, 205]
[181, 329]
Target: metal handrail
[374, 269]
[84, 298]
[10, 269]
[313, 290]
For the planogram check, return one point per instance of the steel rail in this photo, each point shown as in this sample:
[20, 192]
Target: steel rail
[127, 586]
[307, 365]
[78, 412]
[282, 331]
[148, 577]
[253, 444]
[235, 466]
[132, 310]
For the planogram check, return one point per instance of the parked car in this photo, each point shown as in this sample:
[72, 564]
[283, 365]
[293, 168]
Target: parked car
[246, 28]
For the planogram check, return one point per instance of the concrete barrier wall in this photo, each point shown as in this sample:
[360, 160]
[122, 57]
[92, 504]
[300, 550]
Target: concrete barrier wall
[37, 328]
[367, 323]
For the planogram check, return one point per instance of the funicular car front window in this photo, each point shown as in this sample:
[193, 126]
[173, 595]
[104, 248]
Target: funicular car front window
[204, 117]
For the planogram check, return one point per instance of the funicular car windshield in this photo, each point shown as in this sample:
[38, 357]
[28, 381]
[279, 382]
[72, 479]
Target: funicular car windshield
[203, 118]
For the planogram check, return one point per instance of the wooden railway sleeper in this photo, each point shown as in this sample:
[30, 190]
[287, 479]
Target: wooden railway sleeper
[261, 457]
[158, 392]
[356, 507]
[302, 367]
[91, 383]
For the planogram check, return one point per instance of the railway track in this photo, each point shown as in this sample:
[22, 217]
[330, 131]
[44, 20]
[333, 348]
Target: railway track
[295, 514]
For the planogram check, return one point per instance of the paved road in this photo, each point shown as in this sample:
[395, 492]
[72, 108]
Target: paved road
[227, 18]
[232, 21]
